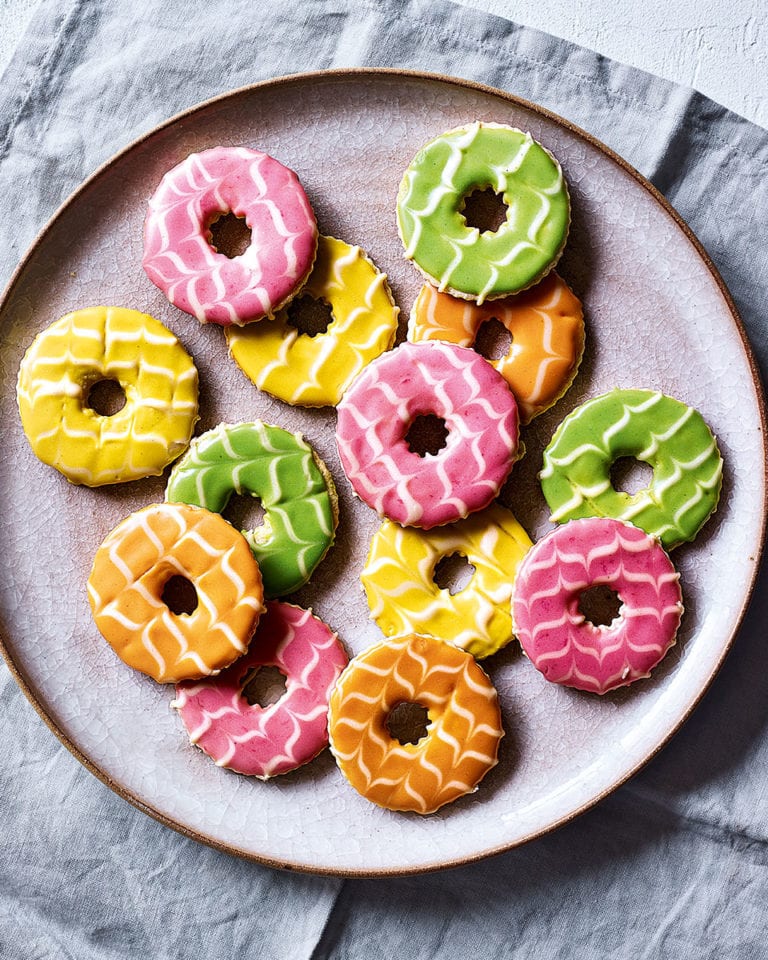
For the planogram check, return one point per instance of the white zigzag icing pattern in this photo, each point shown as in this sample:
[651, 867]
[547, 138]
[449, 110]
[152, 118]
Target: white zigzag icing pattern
[157, 375]
[659, 430]
[292, 484]
[399, 580]
[179, 258]
[480, 414]
[316, 370]
[550, 626]
[546, 327]
[131, 569]
[463, 733]
[265, 741]
[459, 257]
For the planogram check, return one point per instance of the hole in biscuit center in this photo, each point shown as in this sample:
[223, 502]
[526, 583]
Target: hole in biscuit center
[599, 604]
[105, 397]
[485, 210]
[229, 234]
[244, 512]
[453, 573]
[179, 595]
[311, 316]
[407, 722]
[493, 340]
[427, 434]
[629, 475]
[264, 686]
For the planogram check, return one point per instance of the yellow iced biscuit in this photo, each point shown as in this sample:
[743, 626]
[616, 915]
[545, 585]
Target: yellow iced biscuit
[399, 579]
[155, 373]
[314, 371]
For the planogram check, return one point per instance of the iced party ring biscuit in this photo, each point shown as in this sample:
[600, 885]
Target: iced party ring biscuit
[132, 570]
[265, 741]
[292, 484]
[87, 347]
[463, 729]
[315, 370]
[560, 641]
[399, 580]
[458, 257]
[455, 385]
[546, 326]
[655, 429]
[180, 259]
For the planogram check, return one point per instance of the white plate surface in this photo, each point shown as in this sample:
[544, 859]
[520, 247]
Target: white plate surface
[657, 317]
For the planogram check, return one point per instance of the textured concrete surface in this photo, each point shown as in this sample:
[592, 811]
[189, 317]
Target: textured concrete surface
[719, 47]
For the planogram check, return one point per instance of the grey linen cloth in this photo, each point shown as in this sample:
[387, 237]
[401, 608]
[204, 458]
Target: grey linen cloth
[675, 863]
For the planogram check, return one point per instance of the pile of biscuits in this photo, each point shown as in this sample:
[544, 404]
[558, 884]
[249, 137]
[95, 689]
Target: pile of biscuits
[185, 598]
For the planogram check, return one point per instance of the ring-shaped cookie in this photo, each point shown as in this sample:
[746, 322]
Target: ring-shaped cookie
[132, 569]
[315, 370]
[155, 372]
[439, 379]
[546, 328]
[560, 641]
[458, 257]
[403, 595]
[180, 259]
[665, 433]
[265, 741]
[463, 730]
[284, 473]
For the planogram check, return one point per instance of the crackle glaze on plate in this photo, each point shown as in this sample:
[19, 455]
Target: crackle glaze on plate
[657, 317]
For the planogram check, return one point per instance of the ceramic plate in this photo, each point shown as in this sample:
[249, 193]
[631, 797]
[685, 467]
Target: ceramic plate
[657, 316]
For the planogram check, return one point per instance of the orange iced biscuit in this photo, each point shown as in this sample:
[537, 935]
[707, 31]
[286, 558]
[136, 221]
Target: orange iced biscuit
[546, 327]
[128, 584]
[463, 727]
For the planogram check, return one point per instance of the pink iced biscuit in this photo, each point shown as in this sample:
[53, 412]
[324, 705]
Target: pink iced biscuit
[266, 741]
[565, 646]
[454, 384]
[179, 257]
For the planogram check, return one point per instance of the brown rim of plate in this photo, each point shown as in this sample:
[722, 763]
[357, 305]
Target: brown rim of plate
[372, 73]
